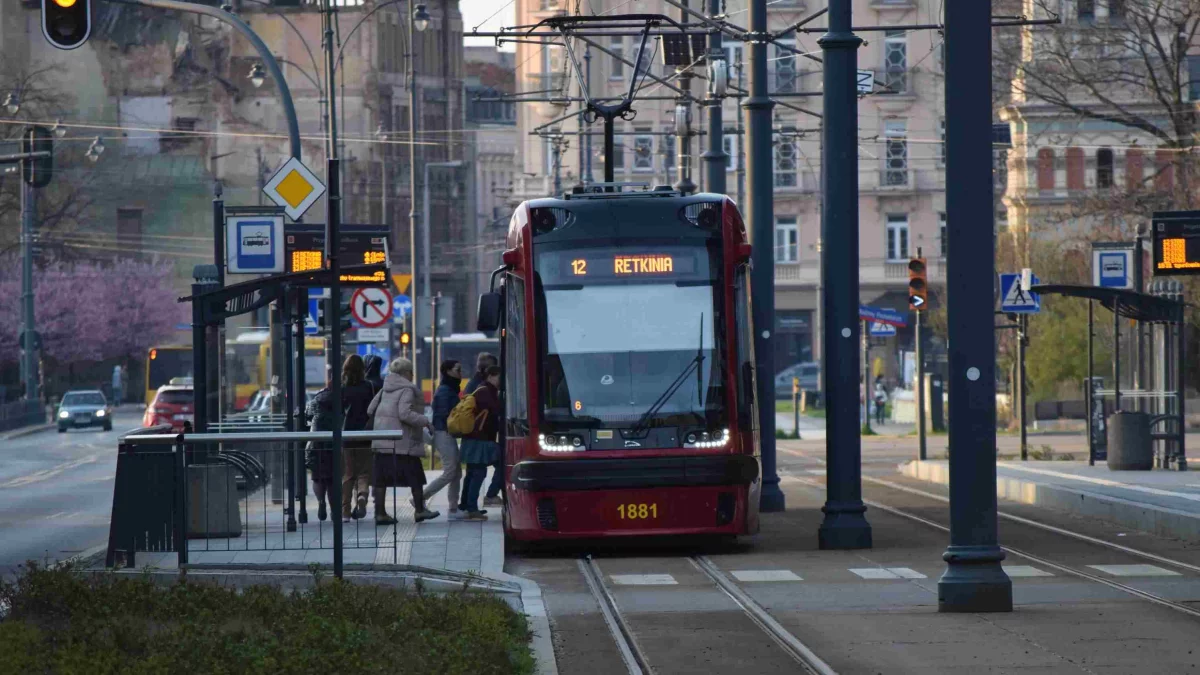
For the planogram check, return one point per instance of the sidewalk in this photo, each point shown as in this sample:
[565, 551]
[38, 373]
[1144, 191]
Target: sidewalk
[1166, 503]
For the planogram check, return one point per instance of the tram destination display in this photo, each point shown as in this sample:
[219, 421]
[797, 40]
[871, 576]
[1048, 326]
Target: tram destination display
[358, 245]
[1175, 240]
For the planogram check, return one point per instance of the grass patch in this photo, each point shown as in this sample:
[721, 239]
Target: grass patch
[63, 621]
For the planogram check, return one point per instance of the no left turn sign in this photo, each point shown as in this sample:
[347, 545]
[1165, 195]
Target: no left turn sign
[371, 307]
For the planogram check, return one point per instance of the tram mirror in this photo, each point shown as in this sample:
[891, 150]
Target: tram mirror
[489, 312]
[745, 408]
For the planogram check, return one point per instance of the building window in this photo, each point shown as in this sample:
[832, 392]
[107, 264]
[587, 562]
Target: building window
[643, 151]
[1104, 168]
[785, 163]
[616, 71]
[666, 147]
[942, 233]
[129, 229]
[1134, 163]
[785, 66]
[1193, 66]
[895, 62]
[1000, 169]
[1085, 10]
[1164, 167]
[1116, 11]
[787, 240]
[895, 153]
[618, 155]
[1074, 168]
[645, 62]
[942, 143]
[733, 59]
[897, 237]
[729, 145]
[1045, 170]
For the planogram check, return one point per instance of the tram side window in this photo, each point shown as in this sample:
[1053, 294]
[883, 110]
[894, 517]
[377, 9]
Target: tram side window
[516, 391]
[745, 351]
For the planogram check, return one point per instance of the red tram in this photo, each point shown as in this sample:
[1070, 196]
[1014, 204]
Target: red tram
[627, 351]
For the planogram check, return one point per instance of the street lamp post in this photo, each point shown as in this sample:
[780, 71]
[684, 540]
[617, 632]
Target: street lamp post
[418, 19]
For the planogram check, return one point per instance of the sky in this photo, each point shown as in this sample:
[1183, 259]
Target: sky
[476, 13]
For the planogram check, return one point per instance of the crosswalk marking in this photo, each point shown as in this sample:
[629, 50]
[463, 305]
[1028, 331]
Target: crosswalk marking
[643, 579]
[1135, 570]
[887, 573]
[1016, 571]
[765, 575]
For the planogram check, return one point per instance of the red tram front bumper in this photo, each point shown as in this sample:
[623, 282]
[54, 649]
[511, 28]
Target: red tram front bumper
[579, 499]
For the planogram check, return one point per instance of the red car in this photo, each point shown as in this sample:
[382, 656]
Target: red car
[173, 404]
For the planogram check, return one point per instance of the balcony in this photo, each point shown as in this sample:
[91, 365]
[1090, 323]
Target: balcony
[902, 181]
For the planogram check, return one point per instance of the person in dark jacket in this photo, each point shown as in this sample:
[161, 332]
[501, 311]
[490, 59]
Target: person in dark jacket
[480, 448]
[483, 362]
[374, 366]
[358, 458]
[444, 400]
[317, 456]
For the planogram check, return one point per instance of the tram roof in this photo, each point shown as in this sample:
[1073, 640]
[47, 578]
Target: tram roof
[577, 200]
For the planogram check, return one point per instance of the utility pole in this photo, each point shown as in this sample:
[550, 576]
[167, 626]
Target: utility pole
[973, 580]
[919, 336]
[1022, 342]
[683, 114]
[30, 352]
[587, 79]
[761, 211]
[715, 158]
[845, 525]
[333, 212]
[865, 387]
[412, 182]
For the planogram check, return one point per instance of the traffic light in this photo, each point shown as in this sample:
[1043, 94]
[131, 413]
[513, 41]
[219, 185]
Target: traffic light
[37, 172]
[405, 338]
[918, 285]
[343, 313]
[66, 23]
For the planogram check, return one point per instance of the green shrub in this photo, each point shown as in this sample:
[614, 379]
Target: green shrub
[63, 621]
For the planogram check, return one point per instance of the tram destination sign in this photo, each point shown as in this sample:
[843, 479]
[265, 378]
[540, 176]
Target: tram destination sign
[358, 245]
[607, 264]
[1175, 242]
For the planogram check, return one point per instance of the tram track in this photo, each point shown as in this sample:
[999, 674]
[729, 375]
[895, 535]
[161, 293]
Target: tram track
[1032, 557]
[635, 658]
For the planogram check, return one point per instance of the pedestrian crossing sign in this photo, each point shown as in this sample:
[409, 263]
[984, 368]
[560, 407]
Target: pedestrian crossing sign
[1015, 300]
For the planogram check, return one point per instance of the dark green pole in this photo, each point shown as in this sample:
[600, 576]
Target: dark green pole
[845, 525]
[715, 158]
[973, 580]
[761, 211]
[333, 211]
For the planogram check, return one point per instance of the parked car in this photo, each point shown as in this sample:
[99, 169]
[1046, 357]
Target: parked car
[84, 409]
[173, 404]
[809, 374]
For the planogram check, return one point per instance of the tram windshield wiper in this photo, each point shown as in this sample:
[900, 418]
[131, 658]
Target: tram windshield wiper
[643, 424]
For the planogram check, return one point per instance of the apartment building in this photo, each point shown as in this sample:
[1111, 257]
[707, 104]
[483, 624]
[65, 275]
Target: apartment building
[901, 152]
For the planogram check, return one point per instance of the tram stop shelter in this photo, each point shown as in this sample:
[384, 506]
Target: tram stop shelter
[1152, 430]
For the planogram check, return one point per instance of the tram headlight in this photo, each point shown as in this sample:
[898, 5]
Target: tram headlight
[691, 438]
[705, 439]
[563, 443]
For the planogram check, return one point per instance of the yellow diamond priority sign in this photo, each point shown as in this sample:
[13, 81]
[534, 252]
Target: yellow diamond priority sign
[294, 187]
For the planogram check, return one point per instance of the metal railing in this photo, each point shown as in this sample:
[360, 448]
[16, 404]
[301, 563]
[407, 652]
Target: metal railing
[21, 414]
[229, 497]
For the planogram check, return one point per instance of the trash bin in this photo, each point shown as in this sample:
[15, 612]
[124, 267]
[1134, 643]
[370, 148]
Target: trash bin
[213, 511]
[1129, 444]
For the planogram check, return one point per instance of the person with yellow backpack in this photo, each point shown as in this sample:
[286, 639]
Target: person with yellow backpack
[480, 413]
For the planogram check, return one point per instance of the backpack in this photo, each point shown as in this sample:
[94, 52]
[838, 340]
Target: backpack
[463, 418]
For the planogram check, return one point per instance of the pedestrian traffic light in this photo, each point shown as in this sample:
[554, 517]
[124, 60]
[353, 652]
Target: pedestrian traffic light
[918, 285]
[66, 23]
[37, 172]
[344, 314]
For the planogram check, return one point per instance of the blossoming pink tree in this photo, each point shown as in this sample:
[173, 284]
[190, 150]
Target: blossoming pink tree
[90, 311]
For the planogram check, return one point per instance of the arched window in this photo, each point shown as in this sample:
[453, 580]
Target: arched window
[1164, 166]
[1045, 169]
[1134, 169]
[1104, 168]
[1074, 168]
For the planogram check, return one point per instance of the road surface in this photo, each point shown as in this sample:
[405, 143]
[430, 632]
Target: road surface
[56, 491]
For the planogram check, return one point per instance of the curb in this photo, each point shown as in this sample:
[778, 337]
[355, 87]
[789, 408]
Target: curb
[534, 608]
[27, 431]
[1159, 520]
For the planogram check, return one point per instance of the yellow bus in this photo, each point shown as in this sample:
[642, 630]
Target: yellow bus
[164, 363]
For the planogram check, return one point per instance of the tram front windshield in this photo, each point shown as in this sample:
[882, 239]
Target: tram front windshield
[631, 334]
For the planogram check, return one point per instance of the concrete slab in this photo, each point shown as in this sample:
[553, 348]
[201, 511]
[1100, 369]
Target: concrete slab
[1135, 570]
[765, 575]
[1024, 571]
[643, 579]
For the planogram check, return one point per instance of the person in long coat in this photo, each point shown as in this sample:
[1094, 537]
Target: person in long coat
[398, 463]
[318, 457]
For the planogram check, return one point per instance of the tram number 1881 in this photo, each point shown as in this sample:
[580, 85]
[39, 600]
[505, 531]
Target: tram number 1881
[637, 511]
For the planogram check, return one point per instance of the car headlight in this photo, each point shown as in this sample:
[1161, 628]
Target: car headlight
[63, 414]
[99, 413]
